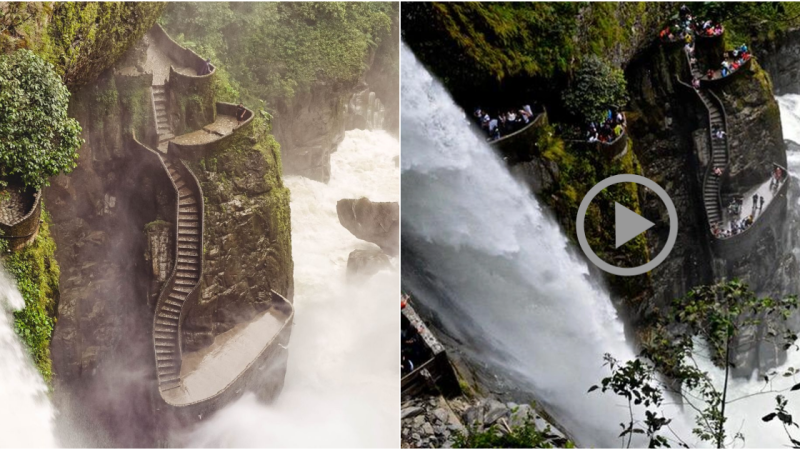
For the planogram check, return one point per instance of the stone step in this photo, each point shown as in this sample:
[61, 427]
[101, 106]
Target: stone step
[182, 289]
[189, 275]
[168, 316]
[174, 303]
[172, 310]
[187, 246]
[160, 335]
[185, 282]
[187, 217]
[179, 184]
[169, 386]
[187, 201]
[187, 239]
[184, 192]
[165, 137]
[184, 260]
[187, 231]
[165, 352]
[188, 223]
[165, 344]
[164, 329]
[164, 358]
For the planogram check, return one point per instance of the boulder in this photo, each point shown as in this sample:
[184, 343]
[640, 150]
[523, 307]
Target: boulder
[376, 222]
[362, 264]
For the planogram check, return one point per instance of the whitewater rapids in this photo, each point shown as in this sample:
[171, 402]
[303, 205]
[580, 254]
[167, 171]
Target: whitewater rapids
[343, 375]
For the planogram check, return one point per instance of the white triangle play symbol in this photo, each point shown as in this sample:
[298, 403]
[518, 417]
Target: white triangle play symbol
[628, 224]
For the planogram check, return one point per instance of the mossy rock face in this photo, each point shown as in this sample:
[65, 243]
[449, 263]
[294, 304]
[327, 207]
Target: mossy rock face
[489, 53]
[36, 272]
[82, 39]
[247, 248]
[579, 171]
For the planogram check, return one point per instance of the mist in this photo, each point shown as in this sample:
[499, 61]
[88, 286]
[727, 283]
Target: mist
[342, 382]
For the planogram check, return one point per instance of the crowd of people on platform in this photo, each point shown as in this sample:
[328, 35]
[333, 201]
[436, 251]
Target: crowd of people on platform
[738, 224]
[686, 27]
[612, 127]
[733, 60]
[504, 122]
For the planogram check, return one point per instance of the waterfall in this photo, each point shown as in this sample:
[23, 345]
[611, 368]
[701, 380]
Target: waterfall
[343, 375]
[504, 281]
[26, 416]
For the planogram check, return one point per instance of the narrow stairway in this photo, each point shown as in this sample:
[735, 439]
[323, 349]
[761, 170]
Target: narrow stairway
[188, 268]
[719, 149]
[162, 120]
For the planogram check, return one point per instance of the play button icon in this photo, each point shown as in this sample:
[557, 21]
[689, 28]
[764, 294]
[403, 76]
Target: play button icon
[627, 225]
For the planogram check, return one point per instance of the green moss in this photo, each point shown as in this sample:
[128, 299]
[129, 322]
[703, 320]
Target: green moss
[277, 50]
[578, 171]
[36, 272]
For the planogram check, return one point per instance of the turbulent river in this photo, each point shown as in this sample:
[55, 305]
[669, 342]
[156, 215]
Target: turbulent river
[342, 381]
[501, 281]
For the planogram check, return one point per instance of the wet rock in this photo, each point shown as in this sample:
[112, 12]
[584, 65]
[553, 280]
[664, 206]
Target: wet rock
[362, 264]
[493, 411]
[411, 412]
[376, 222]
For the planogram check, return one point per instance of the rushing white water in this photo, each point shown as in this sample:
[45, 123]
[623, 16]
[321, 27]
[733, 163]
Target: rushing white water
[26, 416]
[521, 302]
[343, 376]
[750, 402]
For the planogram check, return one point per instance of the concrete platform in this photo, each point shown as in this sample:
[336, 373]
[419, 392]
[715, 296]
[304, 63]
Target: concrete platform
[158, 63]
[223, 126]
[763, 190]
[206, 372]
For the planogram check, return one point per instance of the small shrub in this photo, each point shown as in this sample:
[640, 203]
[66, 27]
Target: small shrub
[596, 87]
[39, 139]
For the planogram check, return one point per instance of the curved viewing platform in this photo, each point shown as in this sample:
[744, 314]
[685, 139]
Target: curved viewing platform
[214, 135]
[208, 372]
[767, 190]
[165, 57]
[521, 144]
[717, 74]
[20, 211]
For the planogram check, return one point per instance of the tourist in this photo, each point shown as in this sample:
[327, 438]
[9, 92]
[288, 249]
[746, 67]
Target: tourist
[618, 130]
[696, 83]
[761, 200]
[718, 171]
[755, 202]
[241, 111]
[205, 68]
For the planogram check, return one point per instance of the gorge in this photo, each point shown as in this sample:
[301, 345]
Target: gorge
[524, 318]
[179, 238]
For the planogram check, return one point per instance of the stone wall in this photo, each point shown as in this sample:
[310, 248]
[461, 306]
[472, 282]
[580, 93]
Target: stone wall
[18, 233]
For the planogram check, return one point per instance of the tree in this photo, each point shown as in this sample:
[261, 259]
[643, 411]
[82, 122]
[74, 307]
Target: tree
[39, 139]
[597, 86]
[717, 316]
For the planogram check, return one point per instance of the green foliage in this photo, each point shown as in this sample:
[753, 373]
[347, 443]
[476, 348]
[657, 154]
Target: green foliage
[597, 86]
[715, 316]
[274, 51]
[39, 139]
[750, 20]
[634, 381]
[522, 436]
[36, 272]
[578, 171]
